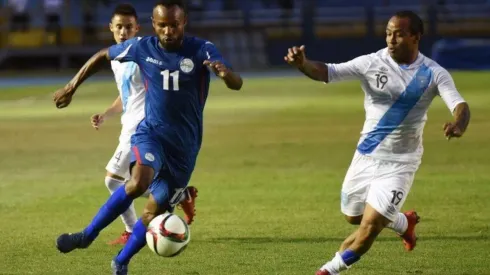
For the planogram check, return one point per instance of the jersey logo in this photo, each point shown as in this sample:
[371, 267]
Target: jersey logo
[154, 61]
[149, 157]
[186, 65]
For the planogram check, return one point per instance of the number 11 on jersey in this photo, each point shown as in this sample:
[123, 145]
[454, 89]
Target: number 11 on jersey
[166, 79]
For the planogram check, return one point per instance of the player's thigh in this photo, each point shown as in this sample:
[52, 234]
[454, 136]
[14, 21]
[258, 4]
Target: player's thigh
[167, 191]
[356, 185]
[390, 188]
[146, 150]
[119, 162]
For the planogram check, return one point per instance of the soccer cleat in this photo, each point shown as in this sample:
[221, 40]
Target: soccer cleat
[69, 242]
[123, 239]
[118, 269]
[189, 204]
[409, 237]
[322, 272]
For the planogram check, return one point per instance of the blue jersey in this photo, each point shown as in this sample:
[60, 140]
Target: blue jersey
[177, 86]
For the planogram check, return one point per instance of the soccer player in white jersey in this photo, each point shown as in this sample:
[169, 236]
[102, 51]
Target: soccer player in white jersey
[399, 84]
[131, 103]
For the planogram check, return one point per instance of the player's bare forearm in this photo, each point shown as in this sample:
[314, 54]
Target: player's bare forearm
[92, 66]
[462, 116]
[315, 70]
[233, 80]
[115, 108]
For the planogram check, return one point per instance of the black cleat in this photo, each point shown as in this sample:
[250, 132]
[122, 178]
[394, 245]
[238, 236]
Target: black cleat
[69, 242]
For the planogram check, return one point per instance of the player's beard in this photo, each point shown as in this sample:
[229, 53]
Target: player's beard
[171, 45]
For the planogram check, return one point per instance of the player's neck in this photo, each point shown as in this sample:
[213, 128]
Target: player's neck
[171, 49]
[410, 59]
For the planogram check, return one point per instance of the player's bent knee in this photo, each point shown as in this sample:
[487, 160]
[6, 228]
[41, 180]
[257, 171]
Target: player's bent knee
[147, 217]
[353, 219]
[141, 178]
[114, 176]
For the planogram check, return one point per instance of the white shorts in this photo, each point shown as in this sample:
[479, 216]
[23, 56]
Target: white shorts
[384, 185]
[119, 163]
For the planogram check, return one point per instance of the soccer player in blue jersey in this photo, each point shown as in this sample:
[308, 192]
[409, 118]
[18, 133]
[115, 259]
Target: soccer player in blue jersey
[166, 143]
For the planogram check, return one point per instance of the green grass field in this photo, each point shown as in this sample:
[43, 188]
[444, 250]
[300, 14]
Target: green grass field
[269, 174]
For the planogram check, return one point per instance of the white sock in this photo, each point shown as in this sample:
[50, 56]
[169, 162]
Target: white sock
[129, 217]
[400, 224]
[336, 265]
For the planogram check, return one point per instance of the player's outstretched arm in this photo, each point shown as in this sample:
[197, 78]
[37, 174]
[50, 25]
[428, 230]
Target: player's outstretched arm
[232, 80]
[63, 96]
[461, 120]
[115, 108]
[315, 70]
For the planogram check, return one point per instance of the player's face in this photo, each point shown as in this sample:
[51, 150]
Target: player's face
[169, 24]
[401, 43]
[123, 27]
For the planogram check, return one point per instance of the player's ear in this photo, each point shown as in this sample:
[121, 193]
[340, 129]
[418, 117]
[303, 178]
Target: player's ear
[185, 20]
[110, 27]
[152, 21]
[137, 27]
[417, 38]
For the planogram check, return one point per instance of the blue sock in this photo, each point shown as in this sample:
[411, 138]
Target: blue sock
[117, 203]
[135, 243]
[349, 257]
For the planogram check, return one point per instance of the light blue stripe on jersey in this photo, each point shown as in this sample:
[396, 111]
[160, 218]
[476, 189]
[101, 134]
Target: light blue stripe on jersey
[126, 84]
[398, 111]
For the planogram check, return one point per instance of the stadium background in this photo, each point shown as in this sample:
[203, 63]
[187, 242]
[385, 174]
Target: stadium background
[274, 155]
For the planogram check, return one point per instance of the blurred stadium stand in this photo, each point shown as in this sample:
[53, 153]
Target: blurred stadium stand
[253, 34]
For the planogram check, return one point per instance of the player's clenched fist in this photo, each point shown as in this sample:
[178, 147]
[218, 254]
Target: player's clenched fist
[296, 56]
[62, 97]
[97, 120]
[452, 130]
[217, 67]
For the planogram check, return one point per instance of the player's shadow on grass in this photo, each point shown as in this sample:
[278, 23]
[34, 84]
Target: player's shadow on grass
[261, 240]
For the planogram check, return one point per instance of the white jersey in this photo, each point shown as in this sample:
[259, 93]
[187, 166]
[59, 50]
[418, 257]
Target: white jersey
[132, 92]
[396, 101]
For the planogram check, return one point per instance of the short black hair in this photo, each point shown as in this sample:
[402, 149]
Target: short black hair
[125, 9]
[169, 3]
[416, 23]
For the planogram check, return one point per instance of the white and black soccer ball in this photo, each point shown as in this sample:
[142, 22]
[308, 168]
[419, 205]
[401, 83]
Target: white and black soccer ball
[168, 235]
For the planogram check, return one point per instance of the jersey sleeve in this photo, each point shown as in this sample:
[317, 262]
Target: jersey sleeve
[447, 90]
[125, 51]
[210, 52]
[350, 70]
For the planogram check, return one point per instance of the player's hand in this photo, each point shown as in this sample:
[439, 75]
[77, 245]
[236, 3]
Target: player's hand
[296, 56]
[217, 67]
[62, 97]
[451, 130]
[97, 120]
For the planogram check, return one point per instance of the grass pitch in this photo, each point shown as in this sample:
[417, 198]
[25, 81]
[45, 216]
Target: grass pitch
[269, 174]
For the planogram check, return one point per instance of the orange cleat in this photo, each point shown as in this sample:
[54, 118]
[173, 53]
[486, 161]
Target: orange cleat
[189, 204]
[409, 237]
[322, 272]
[123, 239]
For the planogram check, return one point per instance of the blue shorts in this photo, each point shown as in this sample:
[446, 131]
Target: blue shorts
[170, 180]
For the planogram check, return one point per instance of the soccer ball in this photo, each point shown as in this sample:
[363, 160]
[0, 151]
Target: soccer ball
[168, 235]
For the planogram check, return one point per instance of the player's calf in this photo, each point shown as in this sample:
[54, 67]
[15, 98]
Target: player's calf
[371, 225]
